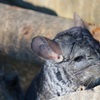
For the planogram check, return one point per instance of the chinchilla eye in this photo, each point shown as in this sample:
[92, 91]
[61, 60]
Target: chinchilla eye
[78, 59]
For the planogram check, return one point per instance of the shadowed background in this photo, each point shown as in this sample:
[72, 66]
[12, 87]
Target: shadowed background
[89, 10]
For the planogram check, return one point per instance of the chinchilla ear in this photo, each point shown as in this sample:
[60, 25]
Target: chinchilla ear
[46, 48]
[78, 22]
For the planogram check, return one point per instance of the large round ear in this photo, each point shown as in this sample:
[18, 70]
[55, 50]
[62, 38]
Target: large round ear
[46, 48]
[78, 22]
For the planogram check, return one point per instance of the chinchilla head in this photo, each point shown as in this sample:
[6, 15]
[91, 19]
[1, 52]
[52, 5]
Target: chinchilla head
[73, 51]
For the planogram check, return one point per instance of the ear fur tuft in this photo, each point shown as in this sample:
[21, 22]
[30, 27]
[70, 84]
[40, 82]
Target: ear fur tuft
[78, 22]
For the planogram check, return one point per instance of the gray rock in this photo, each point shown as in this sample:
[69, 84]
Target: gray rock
[93, 94]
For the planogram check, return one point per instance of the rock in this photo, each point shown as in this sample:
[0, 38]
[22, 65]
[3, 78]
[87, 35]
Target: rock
[93, 94]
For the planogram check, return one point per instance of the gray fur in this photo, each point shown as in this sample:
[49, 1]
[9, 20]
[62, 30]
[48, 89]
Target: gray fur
[80, 66]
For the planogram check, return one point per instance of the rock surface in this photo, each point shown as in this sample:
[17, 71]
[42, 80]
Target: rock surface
[82, 95]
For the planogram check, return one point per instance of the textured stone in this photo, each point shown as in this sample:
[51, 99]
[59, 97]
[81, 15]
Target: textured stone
[82, 95]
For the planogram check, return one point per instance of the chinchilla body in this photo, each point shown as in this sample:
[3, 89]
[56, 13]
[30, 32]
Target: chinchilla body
[72, 59]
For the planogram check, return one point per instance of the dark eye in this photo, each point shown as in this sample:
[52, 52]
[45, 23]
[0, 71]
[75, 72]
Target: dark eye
[79, 58]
